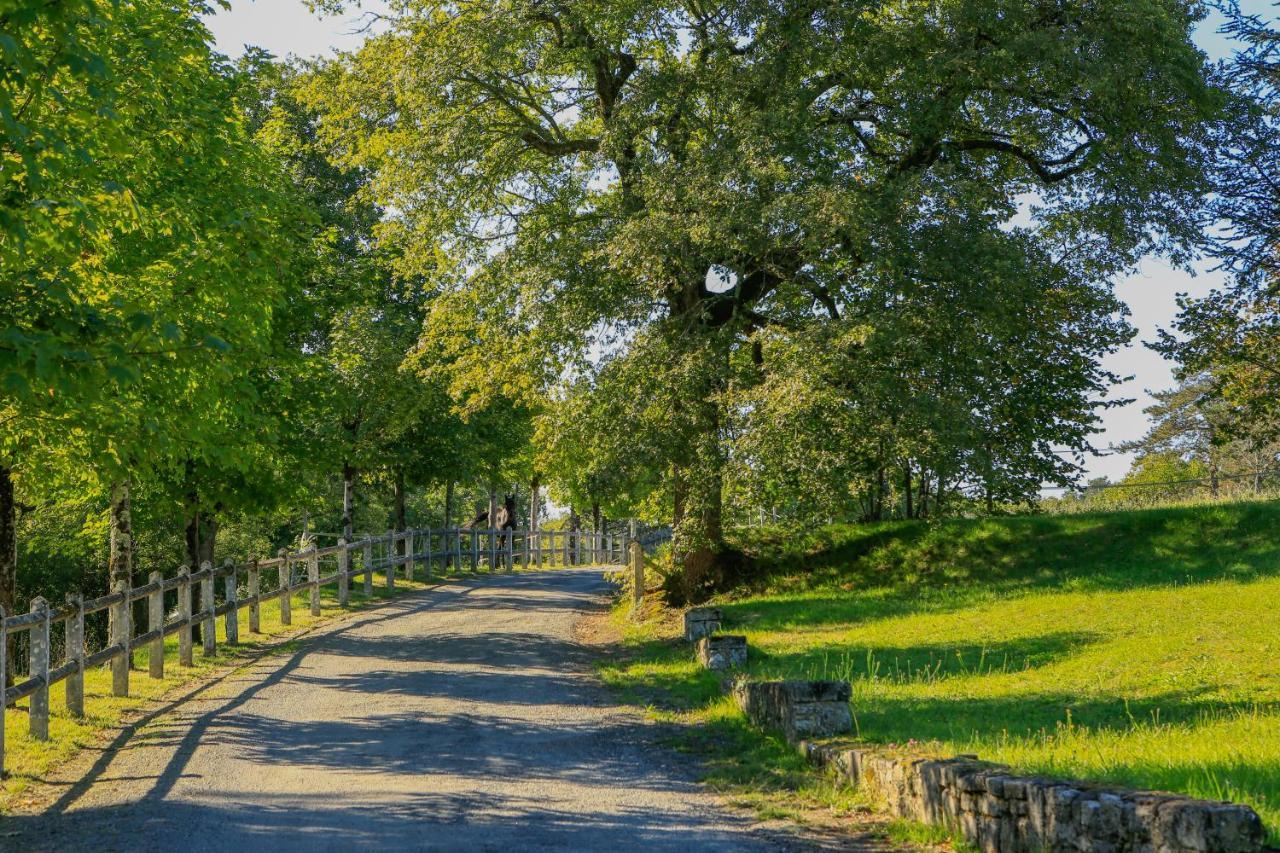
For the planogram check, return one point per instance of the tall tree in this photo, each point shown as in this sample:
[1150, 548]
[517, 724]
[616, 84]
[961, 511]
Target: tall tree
[683, 175]
[132, 271]
[1232, 336]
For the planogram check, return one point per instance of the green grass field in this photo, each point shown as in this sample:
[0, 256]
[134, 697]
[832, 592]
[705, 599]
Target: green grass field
[27, 760]
[1136, 647]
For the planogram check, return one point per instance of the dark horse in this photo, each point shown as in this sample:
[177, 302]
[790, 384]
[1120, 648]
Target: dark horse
[503, 519]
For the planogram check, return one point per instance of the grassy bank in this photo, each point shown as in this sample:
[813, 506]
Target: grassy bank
[1135, 647]
[27, 760]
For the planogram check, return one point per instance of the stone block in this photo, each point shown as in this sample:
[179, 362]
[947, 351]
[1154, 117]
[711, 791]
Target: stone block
[722, 651]
[701, 622]
[799, 709]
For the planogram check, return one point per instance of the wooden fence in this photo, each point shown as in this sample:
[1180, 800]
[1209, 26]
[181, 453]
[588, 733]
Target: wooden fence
[243, 587]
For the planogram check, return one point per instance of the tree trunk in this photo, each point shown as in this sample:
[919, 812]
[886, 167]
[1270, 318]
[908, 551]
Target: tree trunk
[8, 559]
[398, 502]
[906, 489]
[402, 520]
[595, 517]
[120, 553]
[448, 520]
[120, 558]
[493, 504]
[201, 535]
[535, 503]
[348, 502]
[698, 542]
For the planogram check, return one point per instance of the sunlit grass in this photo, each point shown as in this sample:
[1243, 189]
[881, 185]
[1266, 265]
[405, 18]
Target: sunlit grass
[1138, 648]
[27, 760]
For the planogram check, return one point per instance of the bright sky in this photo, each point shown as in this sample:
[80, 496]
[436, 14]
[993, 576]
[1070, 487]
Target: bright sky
[286, 27]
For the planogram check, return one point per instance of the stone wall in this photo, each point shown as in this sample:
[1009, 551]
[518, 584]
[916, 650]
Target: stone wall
[999, 811]
[722, 651]
[799, 709]
[701, 622]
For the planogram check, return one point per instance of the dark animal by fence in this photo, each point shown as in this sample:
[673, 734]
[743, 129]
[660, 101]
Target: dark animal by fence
[505, 518]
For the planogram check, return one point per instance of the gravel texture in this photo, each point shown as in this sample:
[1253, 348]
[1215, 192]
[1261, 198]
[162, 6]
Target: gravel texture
[462, 717]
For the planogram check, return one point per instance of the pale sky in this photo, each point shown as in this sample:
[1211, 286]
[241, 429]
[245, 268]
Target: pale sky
[286, 27]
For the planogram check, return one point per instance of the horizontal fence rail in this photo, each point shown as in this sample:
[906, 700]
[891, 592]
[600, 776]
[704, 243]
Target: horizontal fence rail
[245, 586]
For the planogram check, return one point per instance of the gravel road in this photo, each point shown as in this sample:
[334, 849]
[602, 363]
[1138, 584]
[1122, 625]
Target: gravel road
[462, 717]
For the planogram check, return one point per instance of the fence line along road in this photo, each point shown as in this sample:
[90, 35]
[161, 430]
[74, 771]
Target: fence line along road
[387, 554]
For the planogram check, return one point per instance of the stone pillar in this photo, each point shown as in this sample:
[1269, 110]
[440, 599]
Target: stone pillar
[155, 622]
[184, 612]
[39, 711]
[723, 651]
[75, 653]
[701, 622]
[120, 634]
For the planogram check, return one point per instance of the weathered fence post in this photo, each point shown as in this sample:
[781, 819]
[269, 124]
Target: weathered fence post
[184, 612]
[38, 720]
[209, 624]
[457, 550]
[155, 622]
[233, 611]
[255, 589]
[493, 549]
[427, 552]
[313, 578]
[74, 653]
[391, 559]
[4, 677]
[344, 578]
[509, 557]
[367, 558]
[286, 578]
[120, 634]
[475, 550]
[637, 576]
[409, 554]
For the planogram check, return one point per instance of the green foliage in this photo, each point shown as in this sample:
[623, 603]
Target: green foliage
[575, 177]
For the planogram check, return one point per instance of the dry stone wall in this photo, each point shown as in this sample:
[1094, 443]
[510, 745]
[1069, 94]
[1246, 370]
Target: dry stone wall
[1000, 811]
[722, 651]
[799, 709]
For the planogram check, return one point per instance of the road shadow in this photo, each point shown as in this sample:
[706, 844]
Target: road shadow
[421, 821]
